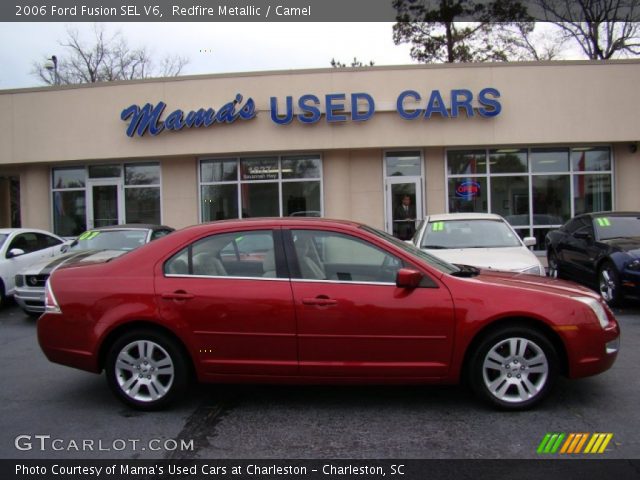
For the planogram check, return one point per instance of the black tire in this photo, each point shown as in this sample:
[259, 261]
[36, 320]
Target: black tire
[554, 266]
[151, 387]
[514, 383]
[609, 283]
[3, 297]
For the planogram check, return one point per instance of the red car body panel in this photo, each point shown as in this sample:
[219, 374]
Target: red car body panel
[283, 330]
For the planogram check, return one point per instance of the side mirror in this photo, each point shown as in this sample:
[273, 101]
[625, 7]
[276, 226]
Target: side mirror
[583, 235]
[530, 241]
[408, 278]
[15, 252]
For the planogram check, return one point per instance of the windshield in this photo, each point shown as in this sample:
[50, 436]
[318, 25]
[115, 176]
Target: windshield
[469, 234]
[110, 240]
[616, 227]
[441, 265]
[3, 238]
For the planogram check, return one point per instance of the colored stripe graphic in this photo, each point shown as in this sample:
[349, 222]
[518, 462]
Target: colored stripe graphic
[551, 442]
[574, 443]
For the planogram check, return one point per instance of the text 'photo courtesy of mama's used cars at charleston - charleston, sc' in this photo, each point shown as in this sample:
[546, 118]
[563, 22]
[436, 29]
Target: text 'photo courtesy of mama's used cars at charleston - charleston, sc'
[307, 300]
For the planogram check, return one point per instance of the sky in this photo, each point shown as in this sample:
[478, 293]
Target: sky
[211, 47]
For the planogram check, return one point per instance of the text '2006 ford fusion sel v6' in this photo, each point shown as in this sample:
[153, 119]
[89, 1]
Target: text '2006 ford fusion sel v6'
[304, 300]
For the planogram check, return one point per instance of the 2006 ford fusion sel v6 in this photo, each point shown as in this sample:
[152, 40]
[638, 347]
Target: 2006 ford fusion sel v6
[317, 301]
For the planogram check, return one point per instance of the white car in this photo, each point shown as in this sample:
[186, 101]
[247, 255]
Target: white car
[19, 248]
[482, 240]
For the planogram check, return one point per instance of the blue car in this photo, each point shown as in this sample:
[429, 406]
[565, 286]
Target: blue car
[600, 250]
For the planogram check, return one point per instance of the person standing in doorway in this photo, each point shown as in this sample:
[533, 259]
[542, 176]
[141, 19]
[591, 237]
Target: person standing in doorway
[405, 219]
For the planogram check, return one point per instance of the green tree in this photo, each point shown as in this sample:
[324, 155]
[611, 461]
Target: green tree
[462, 30]
[355, 63]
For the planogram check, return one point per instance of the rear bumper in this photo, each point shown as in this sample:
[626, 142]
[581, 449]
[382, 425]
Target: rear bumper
[66, 344]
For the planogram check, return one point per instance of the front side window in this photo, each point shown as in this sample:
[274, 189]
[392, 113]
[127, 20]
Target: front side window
[333, 256]
[239, 254]
[27, 242]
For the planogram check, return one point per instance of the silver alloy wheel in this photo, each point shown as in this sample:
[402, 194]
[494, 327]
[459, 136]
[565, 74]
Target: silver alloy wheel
[144, 371]
[607, 285]
[515, 370]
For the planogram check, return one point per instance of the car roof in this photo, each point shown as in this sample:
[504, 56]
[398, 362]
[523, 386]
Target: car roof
[443, 217]
[276, 221]
[133, 226]
[24, 230]
[613, 214]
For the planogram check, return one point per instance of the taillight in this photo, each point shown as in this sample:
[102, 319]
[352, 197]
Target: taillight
[50, 302]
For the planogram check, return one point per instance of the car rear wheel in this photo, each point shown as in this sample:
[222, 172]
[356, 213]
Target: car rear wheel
[146, 369]
[3, 297]
[609, 283]
[552, 261]
[513, 368]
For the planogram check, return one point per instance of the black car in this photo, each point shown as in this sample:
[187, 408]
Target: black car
[600, 250]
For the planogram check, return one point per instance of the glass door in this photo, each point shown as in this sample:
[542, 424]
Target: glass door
[105, 203]
[403, 198]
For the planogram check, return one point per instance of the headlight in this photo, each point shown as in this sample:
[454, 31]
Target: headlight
[634, 265]
[597, 308]
[535, 270]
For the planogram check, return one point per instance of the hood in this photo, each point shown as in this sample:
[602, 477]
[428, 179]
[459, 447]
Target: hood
[48, 265]
[510, 259]
[630, 245]
[534, 282]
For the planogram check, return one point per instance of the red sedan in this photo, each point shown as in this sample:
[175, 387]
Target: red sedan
[304, 300]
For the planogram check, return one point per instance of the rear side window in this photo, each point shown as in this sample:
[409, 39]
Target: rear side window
[238, 254]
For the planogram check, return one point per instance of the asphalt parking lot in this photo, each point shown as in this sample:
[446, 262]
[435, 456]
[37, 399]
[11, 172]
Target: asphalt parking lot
[38, 398]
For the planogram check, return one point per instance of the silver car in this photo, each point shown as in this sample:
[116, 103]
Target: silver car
[92, 245]
[483, 240]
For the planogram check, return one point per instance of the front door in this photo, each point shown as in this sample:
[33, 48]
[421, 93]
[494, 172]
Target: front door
[352, 319]
[404, 206]
[105, 203]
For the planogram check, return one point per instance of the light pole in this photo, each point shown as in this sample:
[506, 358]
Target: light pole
[52, 64]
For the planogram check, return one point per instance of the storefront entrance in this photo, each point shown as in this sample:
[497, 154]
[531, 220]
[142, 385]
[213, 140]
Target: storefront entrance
[105, 201]
[404, 206]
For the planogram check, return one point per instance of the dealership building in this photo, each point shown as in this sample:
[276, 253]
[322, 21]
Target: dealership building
[534, 142]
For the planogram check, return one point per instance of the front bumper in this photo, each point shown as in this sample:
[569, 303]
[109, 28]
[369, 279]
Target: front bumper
[30, 299]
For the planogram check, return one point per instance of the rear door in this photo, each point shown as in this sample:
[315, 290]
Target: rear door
[352, 319]
[237, 303]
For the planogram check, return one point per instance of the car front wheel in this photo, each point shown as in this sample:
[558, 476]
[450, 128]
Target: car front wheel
[513, 368]
[609, 283]
[552, 261]
[146, 369]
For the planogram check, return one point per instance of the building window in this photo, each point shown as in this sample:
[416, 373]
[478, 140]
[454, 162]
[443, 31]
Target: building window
[535, 189]
[69, 203]
[142, 193]
[270, 186]
[73, 188]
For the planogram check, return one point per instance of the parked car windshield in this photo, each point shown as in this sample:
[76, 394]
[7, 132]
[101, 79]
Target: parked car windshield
[110, 240]
[616, 227]
[468, 234]
[435, 262]
[3, 238]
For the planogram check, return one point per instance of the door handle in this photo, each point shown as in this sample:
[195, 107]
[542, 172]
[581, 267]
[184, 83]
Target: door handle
[177, 295]
[320, 301]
